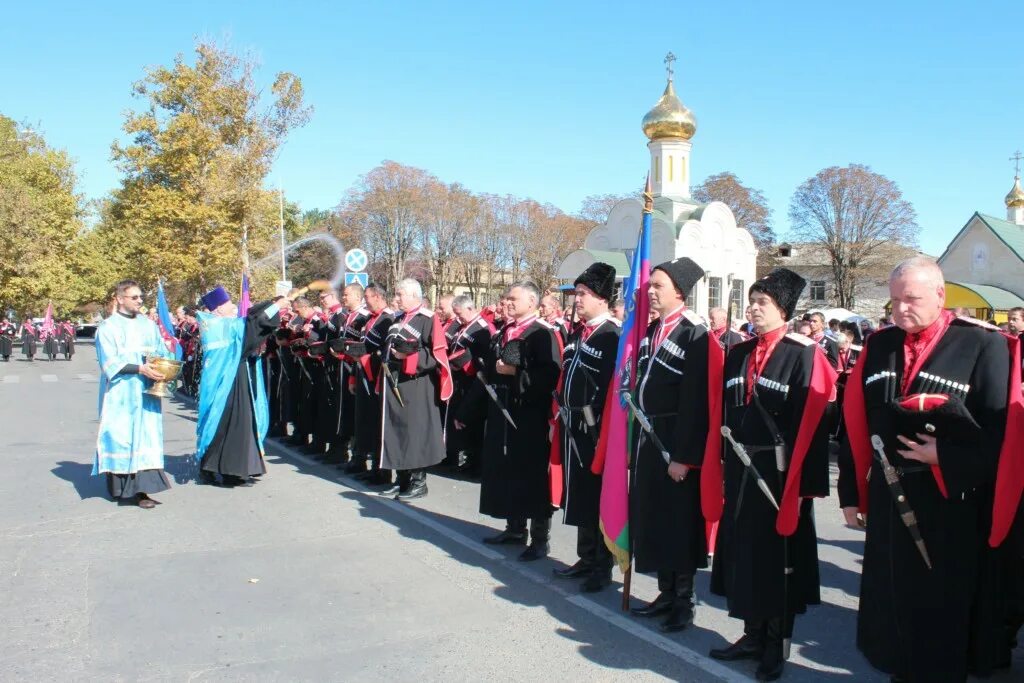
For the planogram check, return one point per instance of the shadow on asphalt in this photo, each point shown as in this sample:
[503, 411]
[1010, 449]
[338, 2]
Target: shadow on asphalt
[829, 635]
[80, 476]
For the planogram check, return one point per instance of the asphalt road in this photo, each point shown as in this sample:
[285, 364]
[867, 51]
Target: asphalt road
[309, 577]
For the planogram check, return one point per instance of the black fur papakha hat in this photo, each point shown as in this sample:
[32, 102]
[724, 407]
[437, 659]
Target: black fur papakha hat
[684, 273]
[600, 279]
[783, 286]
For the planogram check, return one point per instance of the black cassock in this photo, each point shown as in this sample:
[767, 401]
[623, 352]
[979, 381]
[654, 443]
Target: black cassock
[587, 369]
[932, 625]
[750, 555]
[367, 378]
[514, 461]
[413, 436]
[667, 528]
[234, 450]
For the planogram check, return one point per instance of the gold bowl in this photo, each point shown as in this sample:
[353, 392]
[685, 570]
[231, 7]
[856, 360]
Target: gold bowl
[170, 369]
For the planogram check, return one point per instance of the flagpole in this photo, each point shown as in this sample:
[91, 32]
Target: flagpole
[280, 209]
[627, 576]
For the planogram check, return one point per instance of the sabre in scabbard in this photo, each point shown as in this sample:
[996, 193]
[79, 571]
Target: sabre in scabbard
[744, 457]
[892, 480]
[646, 425]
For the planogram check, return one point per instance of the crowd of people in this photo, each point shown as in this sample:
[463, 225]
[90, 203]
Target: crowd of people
[53, 339]
[735, 429]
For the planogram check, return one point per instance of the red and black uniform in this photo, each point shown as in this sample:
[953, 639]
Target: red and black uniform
[29, 339]
[413, 438]
[667, 529]
[466, 355]
[514, 460]
[830, 346]
[917, 623]
[777, 387]
[366, 382]
[347, 327]
[7, 332]
[588, 363]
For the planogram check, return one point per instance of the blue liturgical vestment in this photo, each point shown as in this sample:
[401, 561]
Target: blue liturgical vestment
[233, 409]
[131, 434]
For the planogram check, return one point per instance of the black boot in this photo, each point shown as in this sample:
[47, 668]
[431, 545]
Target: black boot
[660, 605]
[514, 534]
[772, 661]
[600, 559]
[666, 596]
[750, 646]
[681, 614]
[585, 551]
[540, 532]
[577, 571]
[417, 485]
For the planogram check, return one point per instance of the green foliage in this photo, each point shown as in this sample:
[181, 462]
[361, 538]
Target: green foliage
[191, 207]
[40, 216]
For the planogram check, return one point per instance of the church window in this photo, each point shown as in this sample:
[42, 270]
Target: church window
[657, 169]
[736, 298]
[714, 292]
[785, 250]
[670, 168]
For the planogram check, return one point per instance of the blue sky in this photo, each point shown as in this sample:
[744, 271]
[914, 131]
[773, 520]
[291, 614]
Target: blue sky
[544, 100]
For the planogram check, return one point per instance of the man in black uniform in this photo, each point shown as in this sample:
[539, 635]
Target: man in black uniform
[7, 330]
[934, 389]
[777, 388]
[467, 355]
[822, 339]
[667, 529]
[303, 398]
[522, 369]
[416, 381]
[365, 386]
[588, 362]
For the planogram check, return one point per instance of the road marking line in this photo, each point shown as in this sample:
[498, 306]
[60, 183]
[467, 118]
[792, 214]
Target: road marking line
[12, 379]
[86, 377]
[678, 650]
[48, 378]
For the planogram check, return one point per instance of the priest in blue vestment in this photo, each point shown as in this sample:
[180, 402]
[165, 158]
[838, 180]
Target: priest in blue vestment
[130, 443]
[233, 409]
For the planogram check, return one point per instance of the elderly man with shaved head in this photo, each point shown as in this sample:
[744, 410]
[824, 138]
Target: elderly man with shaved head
[929, 398]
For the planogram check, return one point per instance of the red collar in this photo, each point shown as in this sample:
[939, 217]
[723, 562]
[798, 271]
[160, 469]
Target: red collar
[514, 329]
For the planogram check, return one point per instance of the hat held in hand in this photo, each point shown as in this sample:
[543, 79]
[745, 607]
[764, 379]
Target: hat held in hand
[938, 415]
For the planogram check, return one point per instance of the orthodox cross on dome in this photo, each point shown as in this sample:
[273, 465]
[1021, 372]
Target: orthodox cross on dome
[669, 60]
[1016, 158]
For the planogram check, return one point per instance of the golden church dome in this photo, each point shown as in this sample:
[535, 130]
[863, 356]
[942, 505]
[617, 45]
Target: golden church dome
[1015, 198]
[669, 118]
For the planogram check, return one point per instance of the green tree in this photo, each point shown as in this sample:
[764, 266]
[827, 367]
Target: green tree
[192, 207]
[40, 217]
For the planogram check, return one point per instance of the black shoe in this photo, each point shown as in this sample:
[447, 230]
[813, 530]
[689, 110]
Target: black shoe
[535, 551]
[579, 570]
[390, 492]
[747, 647]
[679, 617]
[660, 605]
[597, 581]
[507, 537]
[356, 466]
[413, 492]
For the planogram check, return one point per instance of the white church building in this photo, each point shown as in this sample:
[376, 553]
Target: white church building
[707, 233]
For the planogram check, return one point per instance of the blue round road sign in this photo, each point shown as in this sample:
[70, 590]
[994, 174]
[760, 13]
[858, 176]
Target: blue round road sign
[355, 260]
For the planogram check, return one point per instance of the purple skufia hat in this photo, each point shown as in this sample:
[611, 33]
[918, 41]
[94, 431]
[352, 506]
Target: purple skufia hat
[215, 298]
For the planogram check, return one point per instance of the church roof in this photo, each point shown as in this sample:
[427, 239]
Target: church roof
[1010, 234]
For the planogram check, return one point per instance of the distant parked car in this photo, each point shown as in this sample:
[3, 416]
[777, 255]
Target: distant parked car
[85, 330]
